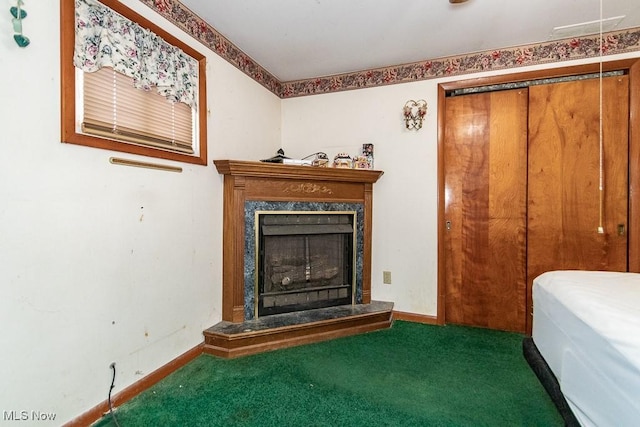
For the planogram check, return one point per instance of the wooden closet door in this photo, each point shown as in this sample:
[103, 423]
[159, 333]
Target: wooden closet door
[485, 209]
[564, 171]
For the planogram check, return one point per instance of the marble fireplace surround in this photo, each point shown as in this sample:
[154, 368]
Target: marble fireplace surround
[258, 186]
[250, 269]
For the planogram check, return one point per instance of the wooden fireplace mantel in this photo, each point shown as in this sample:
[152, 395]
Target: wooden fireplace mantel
[246, 180]
[281, 171]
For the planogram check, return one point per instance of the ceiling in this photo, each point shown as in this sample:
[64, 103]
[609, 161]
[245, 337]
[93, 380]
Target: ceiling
[302, 39]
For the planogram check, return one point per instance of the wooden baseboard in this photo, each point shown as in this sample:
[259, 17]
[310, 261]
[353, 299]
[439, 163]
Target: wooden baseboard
[292, 337]
[418, 318]
[136, 388]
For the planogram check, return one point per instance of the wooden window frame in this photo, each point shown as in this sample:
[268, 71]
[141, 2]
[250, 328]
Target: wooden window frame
[69, 133]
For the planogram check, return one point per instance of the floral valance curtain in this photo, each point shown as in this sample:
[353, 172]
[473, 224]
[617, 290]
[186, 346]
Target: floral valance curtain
[105, 38]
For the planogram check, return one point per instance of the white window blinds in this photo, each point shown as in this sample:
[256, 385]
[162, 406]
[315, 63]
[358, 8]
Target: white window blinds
[115, 109]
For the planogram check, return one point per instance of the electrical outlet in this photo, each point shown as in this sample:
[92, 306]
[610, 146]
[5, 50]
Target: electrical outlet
[386, 277]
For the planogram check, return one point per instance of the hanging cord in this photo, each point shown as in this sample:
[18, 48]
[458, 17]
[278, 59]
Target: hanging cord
[601, 140]
[113, 380]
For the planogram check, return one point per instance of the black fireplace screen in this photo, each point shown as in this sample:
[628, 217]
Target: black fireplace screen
[305, 260]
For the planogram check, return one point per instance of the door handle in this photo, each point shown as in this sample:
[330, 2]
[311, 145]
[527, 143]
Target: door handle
[621, 230]
[447, 225]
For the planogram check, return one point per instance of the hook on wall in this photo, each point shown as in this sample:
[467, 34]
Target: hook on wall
[19, 14]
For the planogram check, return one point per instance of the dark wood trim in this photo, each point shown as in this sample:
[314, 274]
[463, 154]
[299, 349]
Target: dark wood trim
[633, 227]
[632, 66]
[416, 318]
[67, 73]
[136, 388]
[367, 245]
[440, 314]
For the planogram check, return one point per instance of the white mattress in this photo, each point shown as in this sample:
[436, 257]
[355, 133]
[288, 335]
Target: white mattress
[586, 325]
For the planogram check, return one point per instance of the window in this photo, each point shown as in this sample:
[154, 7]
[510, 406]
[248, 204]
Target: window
[128, 85]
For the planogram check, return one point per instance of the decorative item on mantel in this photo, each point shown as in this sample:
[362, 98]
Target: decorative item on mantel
[367, 151]
[342, 160]
[360, 162]
[278, 158]
[364, 160]
[414, 112]
[320, 159]
[19, 14]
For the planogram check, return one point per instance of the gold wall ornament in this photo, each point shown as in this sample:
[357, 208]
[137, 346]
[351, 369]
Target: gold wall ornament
[414, 112]
[308, 188]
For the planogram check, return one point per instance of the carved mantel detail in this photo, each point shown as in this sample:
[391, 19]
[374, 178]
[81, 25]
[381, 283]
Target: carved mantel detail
[307, 188]
[257, 181]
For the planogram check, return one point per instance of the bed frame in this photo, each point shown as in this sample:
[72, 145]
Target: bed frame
[549, 381]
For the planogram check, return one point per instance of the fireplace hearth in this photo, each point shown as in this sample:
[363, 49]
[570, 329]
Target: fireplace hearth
[305, 260]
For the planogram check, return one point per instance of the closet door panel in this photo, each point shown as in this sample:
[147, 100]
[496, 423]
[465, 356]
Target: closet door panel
[485, 209]
[565, 207]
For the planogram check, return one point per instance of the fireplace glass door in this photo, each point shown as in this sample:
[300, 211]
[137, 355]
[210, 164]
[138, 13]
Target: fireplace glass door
[305, 261]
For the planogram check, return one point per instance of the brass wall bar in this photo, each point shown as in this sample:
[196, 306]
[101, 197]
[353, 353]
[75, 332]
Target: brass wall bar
[125, 162]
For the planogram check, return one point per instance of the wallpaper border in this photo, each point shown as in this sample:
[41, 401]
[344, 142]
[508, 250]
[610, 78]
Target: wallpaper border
[615, 42]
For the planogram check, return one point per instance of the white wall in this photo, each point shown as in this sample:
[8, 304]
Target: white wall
[102, 263]
[405, 209]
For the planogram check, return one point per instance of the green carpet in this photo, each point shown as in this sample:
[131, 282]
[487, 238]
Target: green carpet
[409, 375]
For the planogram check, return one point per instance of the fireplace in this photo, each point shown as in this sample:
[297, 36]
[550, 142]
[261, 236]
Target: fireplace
[296, 255]
[305, 260]
[300, 211]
